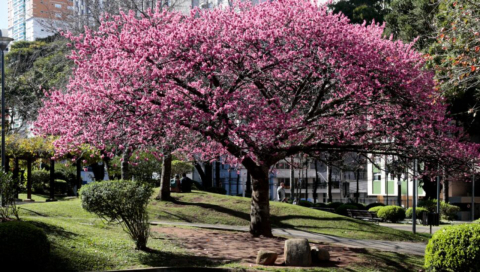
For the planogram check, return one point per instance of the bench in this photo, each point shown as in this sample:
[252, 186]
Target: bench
[332, 210]
[364, 215]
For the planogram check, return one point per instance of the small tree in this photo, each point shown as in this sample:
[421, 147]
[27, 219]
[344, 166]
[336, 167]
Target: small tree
[8, 188]
[124, 202]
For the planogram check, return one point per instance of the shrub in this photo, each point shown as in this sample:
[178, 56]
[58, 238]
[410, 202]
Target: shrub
[449, 212]
[40, 180]
[8, 189]
[23, 245]
[121, 201]
[418, 212]
[477, 221]
[375, 209]
[334, 205]
[359, 206]
[320, 205]
[454, 248]
[343, 209]
[391, 213]
[428, 204]
[305, 203]
[377, 204]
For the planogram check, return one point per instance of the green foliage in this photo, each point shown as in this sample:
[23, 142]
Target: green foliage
[454, 248]
[391, 213]
[418, 212]
[428, 204]
[359, 11]
[180, 167]
[145, 165]
[343, 209]
[448, 211]
[23, 245]
[359, 206]
[121, 201]
[8, 189]
[320, 205]
[40, 180]
[305, 203]
[375, 209]
[477, 221]
[412, 19]
[334, 205]
[377, 204]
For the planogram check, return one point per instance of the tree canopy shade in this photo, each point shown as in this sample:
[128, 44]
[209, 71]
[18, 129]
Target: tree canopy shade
[256, 83]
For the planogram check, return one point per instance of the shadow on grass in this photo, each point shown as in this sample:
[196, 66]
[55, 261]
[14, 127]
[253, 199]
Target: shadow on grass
[54, 230]
[392, 261]
[217, 208]
[155, 258]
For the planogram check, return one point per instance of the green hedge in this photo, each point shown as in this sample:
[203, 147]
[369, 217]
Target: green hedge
[375, 209]
[418, 212]
[391, 213]
[334, 205]
[454, 248]
[23, 245]
[343, 209]
[320, 205]
[305, 203]
[371, 205]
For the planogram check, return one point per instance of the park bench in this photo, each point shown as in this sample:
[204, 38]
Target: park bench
[364, 215]
[332, 210]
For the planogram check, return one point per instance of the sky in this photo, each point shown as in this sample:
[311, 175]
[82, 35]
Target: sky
[3, 14]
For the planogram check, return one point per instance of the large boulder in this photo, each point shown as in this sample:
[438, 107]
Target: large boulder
[266, 257]
[323, 255]
[297, 252]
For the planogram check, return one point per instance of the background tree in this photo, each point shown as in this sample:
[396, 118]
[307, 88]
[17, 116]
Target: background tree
[359, 11]
[256, 85]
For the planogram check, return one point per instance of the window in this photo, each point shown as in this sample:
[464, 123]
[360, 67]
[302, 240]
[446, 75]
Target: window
[58, 6]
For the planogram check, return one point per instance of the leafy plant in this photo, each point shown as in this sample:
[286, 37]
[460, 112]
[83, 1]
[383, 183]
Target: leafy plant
[375, 209]
[454, 248]
[343, 209]
[377, 204]
[391, 213]
[121, 201]
[418, 212]
[8, 189]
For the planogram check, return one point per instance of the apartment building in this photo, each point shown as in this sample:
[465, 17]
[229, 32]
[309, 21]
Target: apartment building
[29, 20]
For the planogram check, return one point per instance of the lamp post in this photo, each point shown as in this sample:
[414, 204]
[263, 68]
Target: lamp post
[4, 41]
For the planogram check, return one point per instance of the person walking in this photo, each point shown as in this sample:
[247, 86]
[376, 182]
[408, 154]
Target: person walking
[281, 193]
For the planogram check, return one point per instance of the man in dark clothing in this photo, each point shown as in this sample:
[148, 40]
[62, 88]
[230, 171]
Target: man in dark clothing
[186, 183]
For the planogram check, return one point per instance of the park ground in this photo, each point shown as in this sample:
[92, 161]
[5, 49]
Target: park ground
[81, 241]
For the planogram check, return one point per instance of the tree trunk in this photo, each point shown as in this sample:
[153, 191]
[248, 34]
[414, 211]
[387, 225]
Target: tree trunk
[208, 175]
[357, 194]
[125, 173]
[292, 181]
[164, 193]
[260, 204]
[248, 185]
[315, 184]
[217, 175]
[329, 183]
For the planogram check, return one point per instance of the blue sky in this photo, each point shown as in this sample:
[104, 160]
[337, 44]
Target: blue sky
[3, 14]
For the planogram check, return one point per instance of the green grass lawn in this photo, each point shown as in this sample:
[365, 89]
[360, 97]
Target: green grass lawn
[82, 242]
[39, 198]
[203, 207]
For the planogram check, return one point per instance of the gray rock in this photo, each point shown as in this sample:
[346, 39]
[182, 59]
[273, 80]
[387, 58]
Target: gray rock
[297, 252]
[266, 257]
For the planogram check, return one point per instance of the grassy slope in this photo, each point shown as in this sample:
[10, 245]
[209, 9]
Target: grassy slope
[203, 207]
[81, 241]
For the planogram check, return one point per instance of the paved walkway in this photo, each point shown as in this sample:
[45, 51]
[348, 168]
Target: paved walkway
[408, 227]
[400, 247]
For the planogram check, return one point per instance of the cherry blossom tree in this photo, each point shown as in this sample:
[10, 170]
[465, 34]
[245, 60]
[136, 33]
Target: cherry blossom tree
[256, 84]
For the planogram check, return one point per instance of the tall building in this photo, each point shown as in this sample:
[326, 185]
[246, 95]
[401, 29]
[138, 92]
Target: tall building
[29, 20]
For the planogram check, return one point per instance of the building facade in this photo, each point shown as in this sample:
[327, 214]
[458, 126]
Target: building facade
[29, 20]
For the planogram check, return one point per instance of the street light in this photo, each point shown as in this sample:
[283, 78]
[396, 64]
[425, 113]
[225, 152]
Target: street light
[4, 41]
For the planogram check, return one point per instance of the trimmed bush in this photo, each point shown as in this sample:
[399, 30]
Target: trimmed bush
[449, 212]
[477, 221]
[334, 205]
[24, 246]
[121, 201]
[359, 206]
[454, 248]
[429, 204]
[418, 212]
[371, 205]
[391, 213]
[375, 209]
[305, 203]
[40, 180]
[343, 209]
[320, 205]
